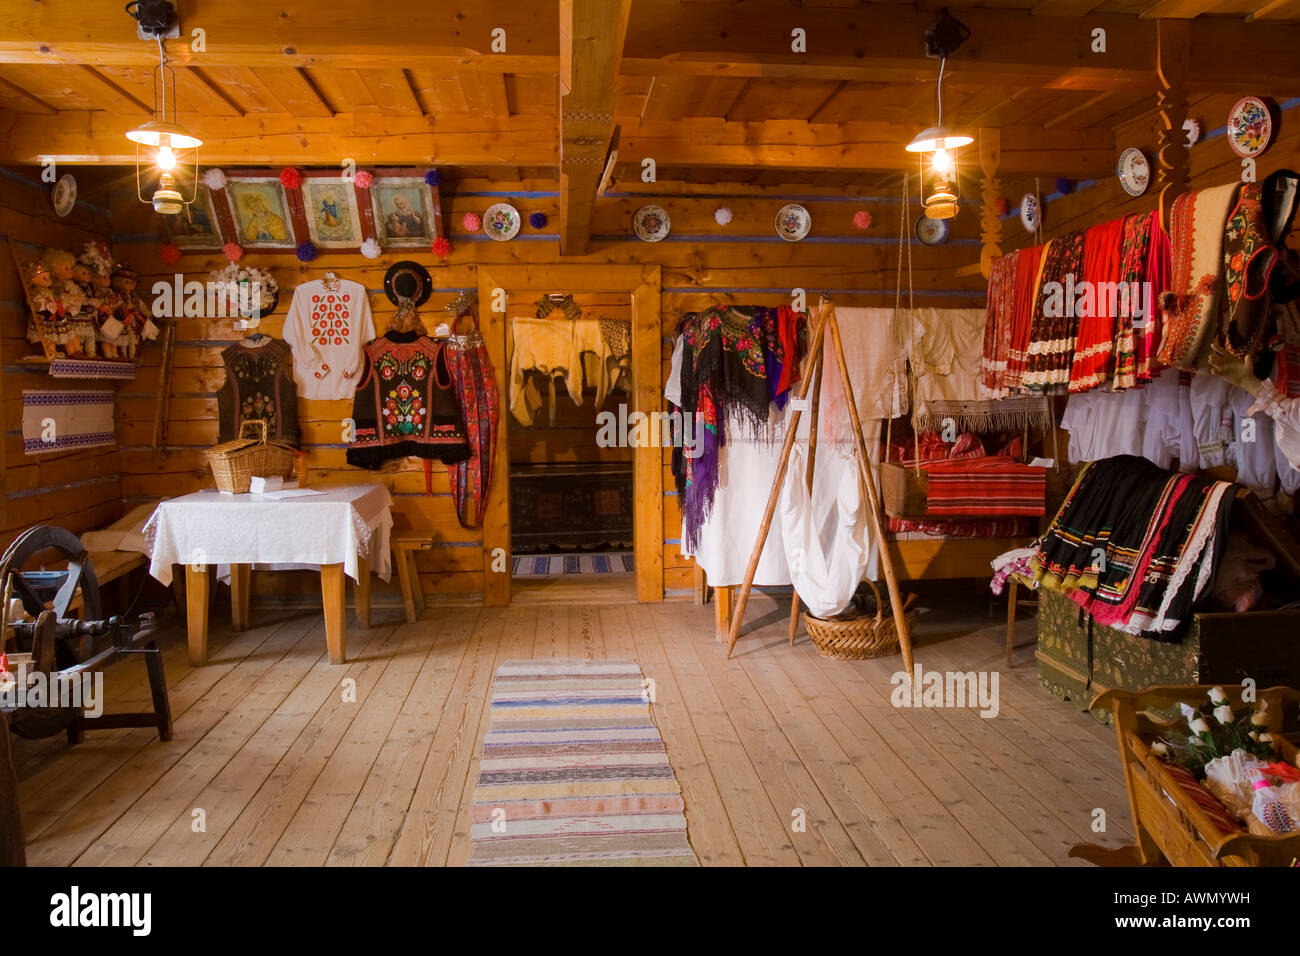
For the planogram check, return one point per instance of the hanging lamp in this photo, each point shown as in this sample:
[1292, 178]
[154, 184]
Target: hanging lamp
[940, 177]
[166, 137]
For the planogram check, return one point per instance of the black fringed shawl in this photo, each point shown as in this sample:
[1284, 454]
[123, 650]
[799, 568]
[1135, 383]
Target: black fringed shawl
[730, 368]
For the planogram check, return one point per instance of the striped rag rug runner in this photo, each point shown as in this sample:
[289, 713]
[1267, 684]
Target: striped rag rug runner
[574, 772]
[545, 565]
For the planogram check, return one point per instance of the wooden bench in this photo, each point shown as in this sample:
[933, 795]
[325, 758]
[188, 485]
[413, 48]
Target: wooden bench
[112, 566]
[404, 544]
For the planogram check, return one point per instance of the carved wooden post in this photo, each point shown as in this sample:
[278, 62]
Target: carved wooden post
[990, 190]
[1173, 53]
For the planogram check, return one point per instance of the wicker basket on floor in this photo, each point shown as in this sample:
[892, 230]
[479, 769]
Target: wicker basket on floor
[234, 463]
[857, 637]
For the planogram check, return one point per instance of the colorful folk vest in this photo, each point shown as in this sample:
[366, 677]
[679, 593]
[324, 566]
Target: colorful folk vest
[406, 404]
[259, 385]
[1248, 259]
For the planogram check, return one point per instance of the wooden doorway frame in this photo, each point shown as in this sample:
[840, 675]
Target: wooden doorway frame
[643, 284]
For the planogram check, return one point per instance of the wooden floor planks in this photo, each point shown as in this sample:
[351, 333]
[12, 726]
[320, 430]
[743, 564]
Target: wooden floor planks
[783, 757]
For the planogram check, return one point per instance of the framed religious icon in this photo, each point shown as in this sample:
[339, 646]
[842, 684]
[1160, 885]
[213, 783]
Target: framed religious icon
[333, 219]
[196, 227]
[260, 212]
[405, 212]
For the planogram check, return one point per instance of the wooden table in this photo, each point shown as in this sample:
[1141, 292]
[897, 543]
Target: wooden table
[333, 598]
[242, 530]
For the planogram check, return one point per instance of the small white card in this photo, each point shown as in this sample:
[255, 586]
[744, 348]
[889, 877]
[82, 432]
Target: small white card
[798, 404]
[1042, 463]
[260, 486]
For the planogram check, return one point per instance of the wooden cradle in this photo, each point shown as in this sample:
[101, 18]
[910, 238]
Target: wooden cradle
[1169, 825]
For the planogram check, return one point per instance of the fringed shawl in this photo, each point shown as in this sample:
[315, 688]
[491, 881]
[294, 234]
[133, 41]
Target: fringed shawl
[734, 366]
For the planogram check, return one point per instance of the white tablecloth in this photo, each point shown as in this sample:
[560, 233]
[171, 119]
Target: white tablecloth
[335, 527]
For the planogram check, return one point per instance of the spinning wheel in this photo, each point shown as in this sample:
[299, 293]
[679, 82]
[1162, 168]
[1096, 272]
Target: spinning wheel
[80, 573]
[64, 649]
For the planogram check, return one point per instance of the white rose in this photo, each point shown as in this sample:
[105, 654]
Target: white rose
[1188, 710]
[1223, 714]
[1158, 748]
[1198, 726]
[1253, 735]
[1218, 696]
[1266, 739]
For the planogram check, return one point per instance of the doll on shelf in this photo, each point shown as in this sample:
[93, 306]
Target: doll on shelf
[48, 324]
[69, 297]
[130, 309]
[84, 321]
[110, 332]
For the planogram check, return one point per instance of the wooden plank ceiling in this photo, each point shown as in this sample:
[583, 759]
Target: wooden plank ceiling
[711, 90]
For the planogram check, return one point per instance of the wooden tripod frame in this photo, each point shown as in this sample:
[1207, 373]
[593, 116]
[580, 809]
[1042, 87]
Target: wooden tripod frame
[824, 319]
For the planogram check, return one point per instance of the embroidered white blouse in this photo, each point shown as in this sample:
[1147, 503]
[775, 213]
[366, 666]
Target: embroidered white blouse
[1285, 413]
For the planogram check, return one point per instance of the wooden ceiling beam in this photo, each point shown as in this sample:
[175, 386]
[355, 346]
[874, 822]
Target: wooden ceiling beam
[293, 33]
[866, 43]
[591, 34]
[258, 139]
[867, 146]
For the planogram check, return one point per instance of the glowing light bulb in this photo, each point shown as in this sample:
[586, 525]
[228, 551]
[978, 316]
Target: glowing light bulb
[166, 158]
[942, 162]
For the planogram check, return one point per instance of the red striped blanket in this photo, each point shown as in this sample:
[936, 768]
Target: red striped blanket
[985, 486]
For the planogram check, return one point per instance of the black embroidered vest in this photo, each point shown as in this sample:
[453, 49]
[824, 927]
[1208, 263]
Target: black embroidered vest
[406, 403]
[259, 384]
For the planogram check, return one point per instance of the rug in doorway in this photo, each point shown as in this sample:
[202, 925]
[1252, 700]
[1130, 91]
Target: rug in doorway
[545, 565]
[574, 773]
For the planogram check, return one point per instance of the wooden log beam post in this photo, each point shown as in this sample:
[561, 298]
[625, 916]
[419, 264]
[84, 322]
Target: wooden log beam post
[990, 146]
[591, 44]
[1173, 55]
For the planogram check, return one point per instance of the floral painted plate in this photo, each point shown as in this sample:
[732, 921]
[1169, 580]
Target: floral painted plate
[1134, 171]
[501, 221]
[64, 195]
[793, 222]
[1031, 212]
[1250, 127]
[651, 223]
[931, 232]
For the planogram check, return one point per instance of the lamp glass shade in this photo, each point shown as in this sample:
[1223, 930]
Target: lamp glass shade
[155, 133]
[938, 137]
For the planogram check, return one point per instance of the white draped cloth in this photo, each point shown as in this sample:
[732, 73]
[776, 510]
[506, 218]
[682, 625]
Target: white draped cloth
[826, 528]
[338, 526]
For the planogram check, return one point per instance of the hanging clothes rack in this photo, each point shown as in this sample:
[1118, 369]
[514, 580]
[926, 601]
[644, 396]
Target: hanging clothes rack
[825, 321]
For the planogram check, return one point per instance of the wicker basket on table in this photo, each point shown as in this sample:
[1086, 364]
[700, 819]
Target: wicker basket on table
[856, 637]
[235, 463]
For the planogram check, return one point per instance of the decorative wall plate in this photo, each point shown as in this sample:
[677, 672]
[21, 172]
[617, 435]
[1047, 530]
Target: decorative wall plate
[651, 223]
[1250, 127]
[1134, 171]
[64, 194]
[793, 222]
[931, 232]
[501, 221]
[1031, 212]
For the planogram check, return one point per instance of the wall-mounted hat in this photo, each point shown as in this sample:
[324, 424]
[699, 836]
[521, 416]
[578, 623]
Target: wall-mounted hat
[407, 280]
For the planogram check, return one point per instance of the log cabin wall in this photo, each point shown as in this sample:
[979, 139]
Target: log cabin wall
[78, 490]
[1211, 162]
[702, 262]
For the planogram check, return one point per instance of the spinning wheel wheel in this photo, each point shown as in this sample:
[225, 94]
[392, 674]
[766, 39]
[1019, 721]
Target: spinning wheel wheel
[64, 650]
[80, 575]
